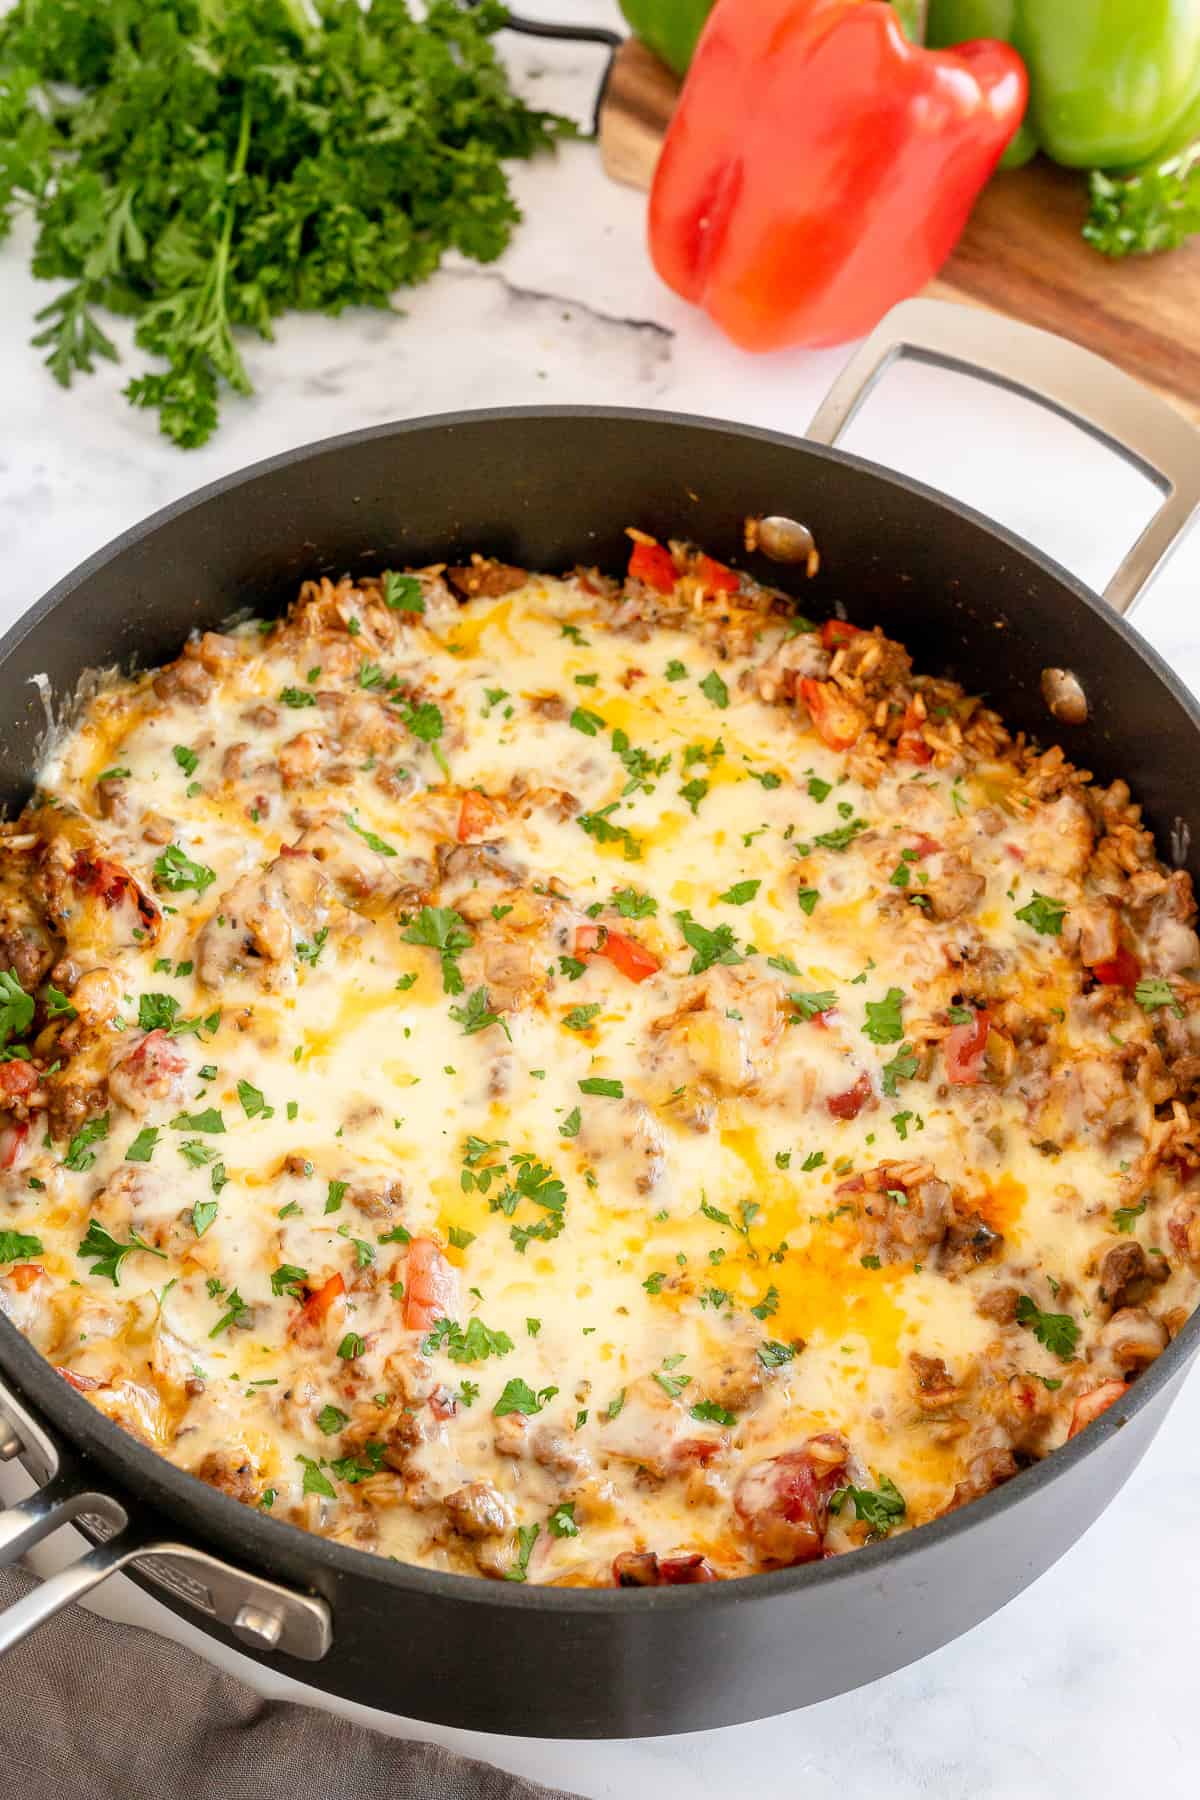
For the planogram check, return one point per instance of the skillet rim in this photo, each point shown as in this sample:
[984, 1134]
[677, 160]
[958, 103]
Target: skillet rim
[231, 1522]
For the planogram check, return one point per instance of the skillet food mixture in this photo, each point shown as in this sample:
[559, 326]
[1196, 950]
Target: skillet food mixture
[588, 1081]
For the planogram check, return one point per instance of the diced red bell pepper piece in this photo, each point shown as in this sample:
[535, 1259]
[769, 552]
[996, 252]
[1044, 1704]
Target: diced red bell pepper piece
[18, 1079]
[1089, 1406]
[715, 575]
[964, 1049]
[109, 882]
[476, 816]
[625, 953]
[23, 1275]
[851, 1103]
[430, 1286]
[318, 1302]
[819, 166]
[652, 564]
[836, 632]
[838, 722]
[1122, 970]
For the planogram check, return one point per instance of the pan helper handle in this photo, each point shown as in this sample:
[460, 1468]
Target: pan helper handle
[1075, 383]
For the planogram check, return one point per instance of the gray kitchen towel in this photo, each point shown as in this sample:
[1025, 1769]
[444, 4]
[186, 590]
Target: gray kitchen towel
[90, 1710]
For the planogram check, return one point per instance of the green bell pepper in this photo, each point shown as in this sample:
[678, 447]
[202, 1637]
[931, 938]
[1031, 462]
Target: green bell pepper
[1111, 82]
[672, 27]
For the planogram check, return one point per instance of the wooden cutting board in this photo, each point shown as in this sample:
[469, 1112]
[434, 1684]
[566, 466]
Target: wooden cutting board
[1021, 253]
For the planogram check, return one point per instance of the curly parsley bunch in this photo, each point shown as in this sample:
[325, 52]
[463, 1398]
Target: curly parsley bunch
[202, 165]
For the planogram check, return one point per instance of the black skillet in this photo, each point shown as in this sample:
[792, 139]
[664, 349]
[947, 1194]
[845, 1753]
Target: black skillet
[547, 488]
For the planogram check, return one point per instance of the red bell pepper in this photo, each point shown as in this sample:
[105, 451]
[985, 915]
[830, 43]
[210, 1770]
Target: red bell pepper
[1122, 970]
[966, 1048]
[633, 960]
[819, 167]
[653, 565]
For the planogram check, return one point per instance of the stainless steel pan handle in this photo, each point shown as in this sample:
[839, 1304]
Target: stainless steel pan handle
[1080, 386]
[260, 1613]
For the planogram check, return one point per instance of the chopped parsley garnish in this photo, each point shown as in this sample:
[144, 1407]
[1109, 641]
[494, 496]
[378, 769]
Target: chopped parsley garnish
[236, 1310]
[693, 792]
[767, 777]
[477, 1015]
[843, 837]
[118, 774]
[1125, 1217]
[810, 1006]
[902, 1067]
[1152, 992]
[707, 1412]
[1057, 1332]
[106, 1254]
[208, 1120]
[351, 1346]
[17, 1246]
[58, 1006]
[519, 1397]
[527, 1537]
[288, 1279]
[740, 893]
[562, 1520]
[308, 953]
[772, 1354]
[253, 1101]
[807, 898]
[441, 928]
[370, 838]
[175, 872]
[639, 765]
[187, 759]
[297, 697]
[598, 825]
[653, 1283]
[476, 1344]
[460, 1238]
[425, 722]
[631, 905]
[16, 1007]
[315, 1479]
[588, 722]
[819, 790]
[334, 1195]
[203, 1214]
[402, 592]
[80, 1155]
[711, 946]
[571, 1124]
[1045, 915]
[768, 1305]
[673, 1385]
[814, 1160]
[142, 1147]
[580, 1017]
[331, 1419]
[157, 1012]
[883, 1024]
[675, 670]
[879, 1508]
[602, 1085]
[714, 689]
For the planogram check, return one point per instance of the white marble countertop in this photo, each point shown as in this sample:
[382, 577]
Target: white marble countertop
[1086, 1683]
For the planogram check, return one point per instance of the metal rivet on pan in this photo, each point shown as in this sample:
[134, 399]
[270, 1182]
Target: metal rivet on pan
[258, 1627]
[1064, 696]
[783, 540]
